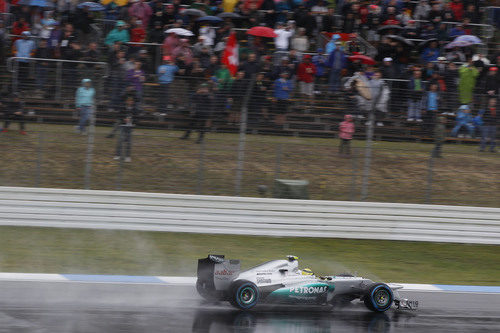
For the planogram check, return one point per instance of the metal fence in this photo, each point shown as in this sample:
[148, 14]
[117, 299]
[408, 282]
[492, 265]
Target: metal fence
[232, 161]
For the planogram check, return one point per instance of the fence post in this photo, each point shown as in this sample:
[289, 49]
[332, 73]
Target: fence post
[277, 166]
[369, 142]
[430, 171]
[90, 149]
[58, 80]
[15, 77]
[38, 176]
[354, 174]
[242, 138]
[201, 167]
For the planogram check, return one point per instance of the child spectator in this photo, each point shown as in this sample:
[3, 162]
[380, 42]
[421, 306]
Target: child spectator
[432, 106]
[84, 101]
[416, 89]
[346, 130]
[439, 136]
[124, 143]
[464, 119]
[14, 111]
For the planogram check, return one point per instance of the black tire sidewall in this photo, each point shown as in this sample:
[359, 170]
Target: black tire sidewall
[370, 301]
[236, 288]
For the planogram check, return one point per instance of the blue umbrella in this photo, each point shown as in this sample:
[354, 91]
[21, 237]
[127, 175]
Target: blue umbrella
[36, 3]
[92, 6]
[469, 39]
[213, 19]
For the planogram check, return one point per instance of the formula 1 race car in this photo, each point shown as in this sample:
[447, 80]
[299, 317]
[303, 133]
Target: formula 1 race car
[282, 282]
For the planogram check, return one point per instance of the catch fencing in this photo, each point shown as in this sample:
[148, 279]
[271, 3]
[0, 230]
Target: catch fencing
[247, 216]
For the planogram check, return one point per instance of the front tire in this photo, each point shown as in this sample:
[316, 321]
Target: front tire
[244, 294]
[379, 297]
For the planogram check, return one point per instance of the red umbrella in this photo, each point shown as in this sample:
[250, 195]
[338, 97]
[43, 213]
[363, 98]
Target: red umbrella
[364, 59]
[262, 32]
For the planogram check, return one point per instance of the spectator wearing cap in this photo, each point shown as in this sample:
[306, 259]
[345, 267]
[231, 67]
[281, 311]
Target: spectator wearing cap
[84, 102]
[13, 110]
[489, 127]
[118, 34]
[142, 11]
[24, 48]
[166, 74]
[337, 61]
[388, 69]
[305, 75]
[491, 84]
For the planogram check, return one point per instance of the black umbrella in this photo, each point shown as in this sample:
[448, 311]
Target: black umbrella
[387, 28]
[229, 15]
[427, 42]
[194, 12]
[400, 39]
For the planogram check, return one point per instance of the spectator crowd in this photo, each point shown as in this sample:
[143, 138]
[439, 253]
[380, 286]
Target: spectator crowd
[395, 57]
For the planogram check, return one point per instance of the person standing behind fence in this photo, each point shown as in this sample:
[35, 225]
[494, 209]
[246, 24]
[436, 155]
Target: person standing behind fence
[200, 119]
[124, 144]
[489, 126]
[136, 77]
[439, 136]
[416, 90]
[84, 101]
[14, 111]
[467, 82]
[24, 48]
[346, 131]
[166, 74]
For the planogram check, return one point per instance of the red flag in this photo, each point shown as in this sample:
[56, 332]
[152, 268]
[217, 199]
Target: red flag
[230, 56]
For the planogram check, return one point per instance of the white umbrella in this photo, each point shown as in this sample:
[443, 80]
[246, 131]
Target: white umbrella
[180, 32]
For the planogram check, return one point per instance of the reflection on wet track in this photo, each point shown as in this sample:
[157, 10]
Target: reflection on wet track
[113, 308]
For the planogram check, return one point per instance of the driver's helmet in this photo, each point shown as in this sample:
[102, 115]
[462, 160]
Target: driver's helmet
[307, 271]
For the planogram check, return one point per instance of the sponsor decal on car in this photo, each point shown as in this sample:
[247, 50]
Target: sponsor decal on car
[263, 280]
[224, 272]
[308, 290]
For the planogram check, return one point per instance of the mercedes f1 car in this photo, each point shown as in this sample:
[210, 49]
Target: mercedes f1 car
[282, 282]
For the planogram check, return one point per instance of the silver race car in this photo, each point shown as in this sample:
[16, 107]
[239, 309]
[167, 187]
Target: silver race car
[282, 282]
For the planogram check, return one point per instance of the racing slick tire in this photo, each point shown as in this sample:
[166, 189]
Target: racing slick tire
[379, 297]
[207, 293]
[243, 294]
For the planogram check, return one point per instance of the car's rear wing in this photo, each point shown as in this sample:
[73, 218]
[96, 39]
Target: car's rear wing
[217, 272]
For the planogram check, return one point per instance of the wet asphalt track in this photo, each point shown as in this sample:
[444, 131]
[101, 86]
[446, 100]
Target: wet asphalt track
[112, 308]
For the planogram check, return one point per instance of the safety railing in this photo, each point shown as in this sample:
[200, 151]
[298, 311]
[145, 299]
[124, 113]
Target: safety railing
[57, 73]
[34, 207]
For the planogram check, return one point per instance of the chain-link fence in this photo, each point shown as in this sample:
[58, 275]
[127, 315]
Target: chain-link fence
[259, 131]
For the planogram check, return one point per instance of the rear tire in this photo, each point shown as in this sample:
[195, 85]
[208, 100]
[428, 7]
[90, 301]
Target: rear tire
[379, 297]
[244, 294]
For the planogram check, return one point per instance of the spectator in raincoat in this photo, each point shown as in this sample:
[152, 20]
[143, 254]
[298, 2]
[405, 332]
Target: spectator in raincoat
[464, 119]
[118, 34]
[332, 45]
[346, 130]
[142, 11]
[467, 81]
[336, 62]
